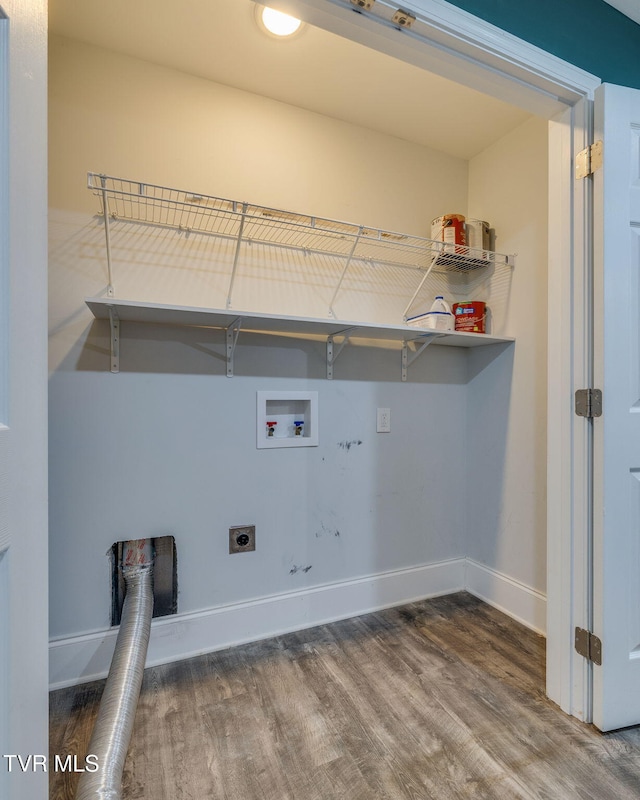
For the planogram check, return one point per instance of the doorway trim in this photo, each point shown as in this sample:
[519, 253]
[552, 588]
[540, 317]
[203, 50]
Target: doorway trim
[448, 41]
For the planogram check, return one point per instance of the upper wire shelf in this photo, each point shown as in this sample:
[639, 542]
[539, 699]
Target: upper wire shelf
[247, 223]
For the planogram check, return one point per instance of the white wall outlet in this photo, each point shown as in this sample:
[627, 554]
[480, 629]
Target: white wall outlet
[383, 422]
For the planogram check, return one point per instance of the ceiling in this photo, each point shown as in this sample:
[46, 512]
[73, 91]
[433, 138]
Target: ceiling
[219, 40]
[630, 8]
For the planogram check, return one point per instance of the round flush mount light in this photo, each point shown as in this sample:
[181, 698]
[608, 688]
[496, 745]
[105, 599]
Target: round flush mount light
[276, 23]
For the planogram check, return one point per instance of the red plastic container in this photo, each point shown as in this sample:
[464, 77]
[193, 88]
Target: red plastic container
[470, 317]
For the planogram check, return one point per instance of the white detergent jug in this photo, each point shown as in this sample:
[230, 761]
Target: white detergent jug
[439, 316]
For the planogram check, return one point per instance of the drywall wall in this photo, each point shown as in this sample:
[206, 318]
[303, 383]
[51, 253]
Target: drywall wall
[588, 33]
[130, 118]
[506, 454]
[174, 453]
[168, 445]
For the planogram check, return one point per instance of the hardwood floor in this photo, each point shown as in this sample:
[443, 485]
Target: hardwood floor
[440, 699]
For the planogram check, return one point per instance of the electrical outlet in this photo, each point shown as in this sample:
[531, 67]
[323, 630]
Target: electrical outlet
[383, 422]
[242, 539]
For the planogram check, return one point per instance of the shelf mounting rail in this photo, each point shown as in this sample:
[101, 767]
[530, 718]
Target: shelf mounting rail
[114, 325]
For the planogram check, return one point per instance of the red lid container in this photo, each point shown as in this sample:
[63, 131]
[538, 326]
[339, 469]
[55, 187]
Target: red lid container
[470, 317]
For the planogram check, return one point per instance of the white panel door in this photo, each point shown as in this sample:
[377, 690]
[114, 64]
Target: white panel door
[23, 395]
[616, 523]
[4, 403]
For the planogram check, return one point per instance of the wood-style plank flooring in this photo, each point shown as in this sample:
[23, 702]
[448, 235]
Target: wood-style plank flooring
[438, 699]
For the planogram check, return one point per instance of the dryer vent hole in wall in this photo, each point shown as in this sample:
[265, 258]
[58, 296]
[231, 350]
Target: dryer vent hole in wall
[165, 578]
[242, 539]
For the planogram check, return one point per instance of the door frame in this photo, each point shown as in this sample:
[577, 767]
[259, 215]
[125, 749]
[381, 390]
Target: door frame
[569, 437]
[447, 41]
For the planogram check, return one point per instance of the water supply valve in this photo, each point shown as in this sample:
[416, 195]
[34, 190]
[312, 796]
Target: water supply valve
[298, 425]
[271, 428]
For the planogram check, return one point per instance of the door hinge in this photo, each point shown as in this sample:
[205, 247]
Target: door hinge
[589, 160]
[588, 645]
[403, 19]
[589, 403]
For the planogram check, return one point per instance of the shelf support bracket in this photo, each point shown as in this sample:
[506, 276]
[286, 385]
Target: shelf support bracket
[107, 233]
[344, 271]
[334, 349]
[114, 323]
[232, 338]
[417, 291]
[409, 356]
[236, 254]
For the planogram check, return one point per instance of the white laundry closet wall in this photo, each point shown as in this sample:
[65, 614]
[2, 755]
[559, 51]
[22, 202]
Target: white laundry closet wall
[506, 433]
[167, 446]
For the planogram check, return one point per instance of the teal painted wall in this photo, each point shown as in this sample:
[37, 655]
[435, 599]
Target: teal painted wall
[588, 33]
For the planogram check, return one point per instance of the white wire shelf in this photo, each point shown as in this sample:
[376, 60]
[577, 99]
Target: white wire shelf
[244, 224]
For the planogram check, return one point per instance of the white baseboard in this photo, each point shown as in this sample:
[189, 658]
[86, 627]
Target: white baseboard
[514, 598]
[79, 659]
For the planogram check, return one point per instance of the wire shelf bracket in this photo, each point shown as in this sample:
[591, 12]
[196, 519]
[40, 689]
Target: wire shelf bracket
[344, 272]
[107, 232]
[236, 255]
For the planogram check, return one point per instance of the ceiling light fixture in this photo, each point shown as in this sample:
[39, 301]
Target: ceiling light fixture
[277, 23]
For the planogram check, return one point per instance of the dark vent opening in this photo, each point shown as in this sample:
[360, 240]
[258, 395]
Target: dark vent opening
[165, 578]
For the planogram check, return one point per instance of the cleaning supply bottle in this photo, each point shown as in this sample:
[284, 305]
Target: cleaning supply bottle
[439, 316]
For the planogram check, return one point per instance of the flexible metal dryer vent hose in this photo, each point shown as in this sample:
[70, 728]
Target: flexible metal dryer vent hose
[112, 730]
